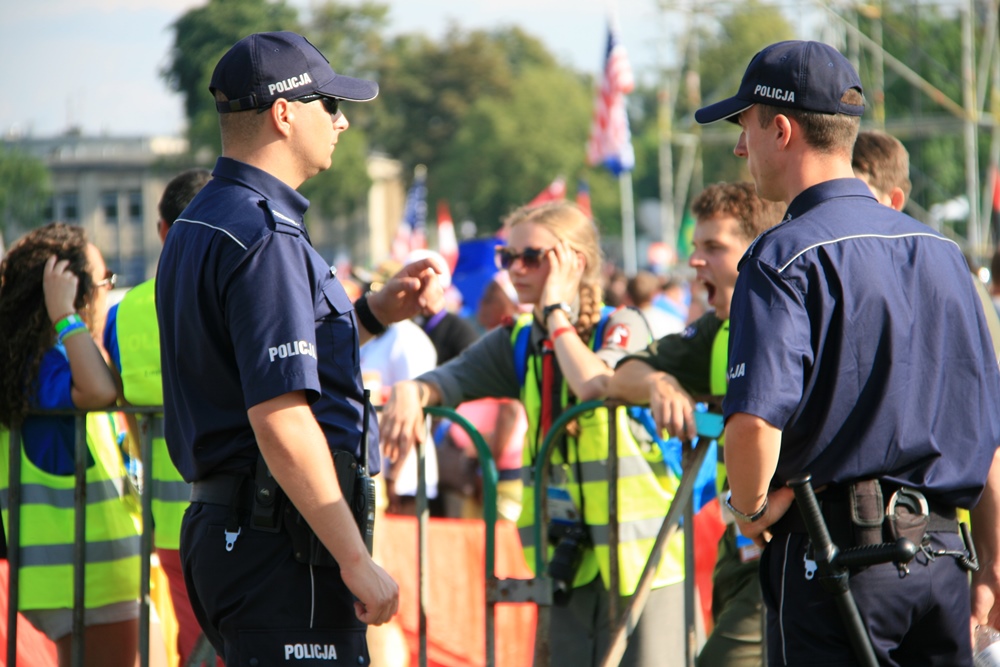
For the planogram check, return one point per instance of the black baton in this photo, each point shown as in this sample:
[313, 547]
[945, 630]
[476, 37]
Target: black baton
[834, 565]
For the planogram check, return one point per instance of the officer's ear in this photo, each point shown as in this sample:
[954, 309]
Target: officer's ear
[782, 125]
[897, 199]
[282, 115]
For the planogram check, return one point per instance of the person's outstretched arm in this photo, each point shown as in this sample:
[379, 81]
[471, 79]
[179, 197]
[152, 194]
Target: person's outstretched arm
[638, 383]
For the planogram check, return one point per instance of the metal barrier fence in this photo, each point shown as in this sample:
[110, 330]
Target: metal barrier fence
[537, 590]
[13, 528]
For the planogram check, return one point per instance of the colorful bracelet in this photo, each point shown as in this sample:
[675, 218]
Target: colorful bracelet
[71, 330]
[67, 321]
[559, 332]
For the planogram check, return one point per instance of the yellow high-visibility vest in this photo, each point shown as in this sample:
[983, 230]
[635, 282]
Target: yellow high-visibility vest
[718, 381]
[645, 489]
[139, 351]
[47, 525]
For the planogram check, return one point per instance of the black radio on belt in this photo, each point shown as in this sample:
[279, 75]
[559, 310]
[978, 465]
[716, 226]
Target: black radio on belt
[358, 490]
[364, 497]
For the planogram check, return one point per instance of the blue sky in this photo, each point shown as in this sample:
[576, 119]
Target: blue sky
[95, 63]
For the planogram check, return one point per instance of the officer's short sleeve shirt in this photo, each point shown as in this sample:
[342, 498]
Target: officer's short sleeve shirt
[856, 330]
[249, 311]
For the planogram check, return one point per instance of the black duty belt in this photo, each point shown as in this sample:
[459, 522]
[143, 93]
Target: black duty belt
[222, 489]
[835, 506]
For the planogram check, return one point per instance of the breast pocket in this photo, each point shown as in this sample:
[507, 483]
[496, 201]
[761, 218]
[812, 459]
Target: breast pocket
[336, 330]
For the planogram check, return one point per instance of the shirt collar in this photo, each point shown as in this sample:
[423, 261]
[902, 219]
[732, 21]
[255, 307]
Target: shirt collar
[434, 320]
[270, 188]
[817, 194]
[808, 199]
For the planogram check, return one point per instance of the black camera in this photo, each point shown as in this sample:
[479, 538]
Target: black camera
[570, 540]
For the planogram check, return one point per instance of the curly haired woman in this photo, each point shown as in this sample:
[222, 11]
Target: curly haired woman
[53, 289]
[561, 353]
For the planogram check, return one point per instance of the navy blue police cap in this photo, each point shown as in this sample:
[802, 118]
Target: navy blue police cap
[265, 66]
[810, 76]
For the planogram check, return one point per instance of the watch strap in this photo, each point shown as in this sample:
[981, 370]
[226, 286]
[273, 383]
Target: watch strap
[551, 308]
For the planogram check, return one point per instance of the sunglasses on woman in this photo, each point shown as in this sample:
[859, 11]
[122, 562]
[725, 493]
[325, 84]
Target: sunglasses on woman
[110, 280]
[531, 258]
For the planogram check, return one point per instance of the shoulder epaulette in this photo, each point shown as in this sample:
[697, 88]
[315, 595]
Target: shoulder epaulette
[282, 223]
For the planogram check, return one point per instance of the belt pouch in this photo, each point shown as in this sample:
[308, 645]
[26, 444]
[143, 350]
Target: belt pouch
[867, 512]
[306, 547]
[266, 510]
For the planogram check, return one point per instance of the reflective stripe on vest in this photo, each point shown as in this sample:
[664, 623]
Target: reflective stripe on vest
[718, 381]
[39, 494]
[47, 527]
[645, 489]
[629, 466]
[139, 351]
[97, 552]
[139, 345]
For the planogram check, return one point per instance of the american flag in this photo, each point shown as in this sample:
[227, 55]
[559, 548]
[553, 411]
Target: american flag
[412, 230]
[610, 140]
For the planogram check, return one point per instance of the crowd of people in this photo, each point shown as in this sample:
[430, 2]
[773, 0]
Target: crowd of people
[841, 337]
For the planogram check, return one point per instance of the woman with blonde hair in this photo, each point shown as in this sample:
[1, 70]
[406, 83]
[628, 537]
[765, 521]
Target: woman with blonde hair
[563, 353]
[53, 289]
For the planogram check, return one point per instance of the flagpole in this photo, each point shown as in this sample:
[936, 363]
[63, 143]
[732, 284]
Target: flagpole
[628, 223]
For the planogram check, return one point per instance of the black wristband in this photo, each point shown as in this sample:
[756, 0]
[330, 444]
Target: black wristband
[548, 310]
[366, 317]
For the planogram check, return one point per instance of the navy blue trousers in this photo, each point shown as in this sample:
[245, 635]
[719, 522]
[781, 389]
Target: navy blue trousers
[258, 605]
[917, 620]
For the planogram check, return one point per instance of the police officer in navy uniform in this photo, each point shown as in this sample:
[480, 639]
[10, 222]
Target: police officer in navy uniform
[859, 354]
[262, 388]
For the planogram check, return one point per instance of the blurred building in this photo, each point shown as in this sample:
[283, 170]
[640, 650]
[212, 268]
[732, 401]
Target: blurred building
[111, 186]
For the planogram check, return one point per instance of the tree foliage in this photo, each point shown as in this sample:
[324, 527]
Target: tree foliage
[428, 87]
[509, 148]
[929, 42]
[350, 36]
[724, 55]
[25, 187]
[201, 37]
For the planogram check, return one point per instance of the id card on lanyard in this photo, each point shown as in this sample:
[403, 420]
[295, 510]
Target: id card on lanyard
[748, 550]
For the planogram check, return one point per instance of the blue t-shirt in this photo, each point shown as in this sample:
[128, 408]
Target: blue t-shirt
[857, 331]
[249, 311]
[49, 442]
[111, 337]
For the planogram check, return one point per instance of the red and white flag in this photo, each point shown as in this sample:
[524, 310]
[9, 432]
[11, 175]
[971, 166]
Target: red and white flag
[556, 191]
[610, 141]
[583, 198]
[447, 242]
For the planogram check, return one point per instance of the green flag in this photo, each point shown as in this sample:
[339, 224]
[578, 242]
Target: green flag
[685, 237]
